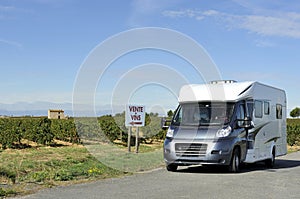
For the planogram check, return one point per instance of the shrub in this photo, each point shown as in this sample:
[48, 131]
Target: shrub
[293, 132]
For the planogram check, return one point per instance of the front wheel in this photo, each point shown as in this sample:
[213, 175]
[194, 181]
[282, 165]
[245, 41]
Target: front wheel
[271, 162]
[172, 167]
[234, 165]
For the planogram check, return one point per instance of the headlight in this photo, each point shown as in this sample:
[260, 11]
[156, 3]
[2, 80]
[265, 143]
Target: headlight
[224, 132]
[170, 133]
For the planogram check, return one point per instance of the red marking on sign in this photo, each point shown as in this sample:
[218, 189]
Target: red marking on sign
[136, 123]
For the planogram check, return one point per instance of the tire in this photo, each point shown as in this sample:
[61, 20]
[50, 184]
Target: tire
[234, 166]
[271, 162]
[172, 167]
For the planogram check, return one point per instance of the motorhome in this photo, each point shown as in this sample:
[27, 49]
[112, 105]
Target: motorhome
[227, 123]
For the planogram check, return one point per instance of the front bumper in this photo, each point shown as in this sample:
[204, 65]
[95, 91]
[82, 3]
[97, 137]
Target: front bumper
[198, 152]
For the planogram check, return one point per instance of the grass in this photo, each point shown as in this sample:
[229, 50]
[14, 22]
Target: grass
[6, 192]
[292, 149]
[118, 158]
[24, 171]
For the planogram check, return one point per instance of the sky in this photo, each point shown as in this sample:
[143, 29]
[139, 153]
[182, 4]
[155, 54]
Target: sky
[44, 44]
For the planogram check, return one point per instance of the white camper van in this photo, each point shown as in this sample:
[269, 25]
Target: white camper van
[227, 123]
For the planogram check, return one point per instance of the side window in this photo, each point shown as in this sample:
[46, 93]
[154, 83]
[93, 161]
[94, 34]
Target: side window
[278, 111]
[266, 108]
[250, 108]
[258, 106]
[240, 114]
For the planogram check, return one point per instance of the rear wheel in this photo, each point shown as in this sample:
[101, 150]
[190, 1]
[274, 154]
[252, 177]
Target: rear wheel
[172, 167]
[271, 162]
[234, 165]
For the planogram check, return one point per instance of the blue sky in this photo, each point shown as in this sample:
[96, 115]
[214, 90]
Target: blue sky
[43, 43]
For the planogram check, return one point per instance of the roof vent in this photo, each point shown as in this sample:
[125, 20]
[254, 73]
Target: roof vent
[222, 82]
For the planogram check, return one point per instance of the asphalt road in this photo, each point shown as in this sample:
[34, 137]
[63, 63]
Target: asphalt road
[255, 181]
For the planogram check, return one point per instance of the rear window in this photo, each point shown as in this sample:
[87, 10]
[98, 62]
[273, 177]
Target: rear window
[278, 111]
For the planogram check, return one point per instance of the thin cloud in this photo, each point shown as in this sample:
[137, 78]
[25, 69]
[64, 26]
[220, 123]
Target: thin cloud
[264, 43]
[184, 13]
[151, 6]
[13, 9]
[6, 8]
[174, 13]
[11, 43]
[12, 12]
[141, 10]
[283, 24]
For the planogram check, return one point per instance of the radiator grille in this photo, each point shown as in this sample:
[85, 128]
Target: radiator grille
[190, 149]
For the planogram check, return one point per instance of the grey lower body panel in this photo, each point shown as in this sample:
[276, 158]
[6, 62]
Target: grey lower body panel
[197, 152]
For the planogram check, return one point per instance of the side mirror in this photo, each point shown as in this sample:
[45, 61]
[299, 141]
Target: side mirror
[246, 123]
[165, 123]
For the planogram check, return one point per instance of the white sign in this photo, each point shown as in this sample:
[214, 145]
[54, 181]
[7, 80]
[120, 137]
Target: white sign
[135, 115]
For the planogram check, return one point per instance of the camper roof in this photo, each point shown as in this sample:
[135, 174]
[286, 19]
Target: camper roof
[216, 91]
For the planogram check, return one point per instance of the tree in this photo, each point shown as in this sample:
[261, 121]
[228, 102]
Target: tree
[170, 113]
[295, 112]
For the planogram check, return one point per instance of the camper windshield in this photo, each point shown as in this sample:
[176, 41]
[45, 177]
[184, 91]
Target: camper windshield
[203, 113]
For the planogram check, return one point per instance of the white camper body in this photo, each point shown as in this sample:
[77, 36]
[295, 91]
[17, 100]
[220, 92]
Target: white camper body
[263, 104]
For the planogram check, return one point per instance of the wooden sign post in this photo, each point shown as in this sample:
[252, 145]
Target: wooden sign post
[137, 140]
[129, 138]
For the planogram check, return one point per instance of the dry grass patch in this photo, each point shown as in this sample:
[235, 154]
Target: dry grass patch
[27, 170]
[34, 167]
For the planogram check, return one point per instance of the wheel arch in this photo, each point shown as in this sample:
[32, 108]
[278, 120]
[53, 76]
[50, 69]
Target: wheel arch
[273, 149]
[237, 146]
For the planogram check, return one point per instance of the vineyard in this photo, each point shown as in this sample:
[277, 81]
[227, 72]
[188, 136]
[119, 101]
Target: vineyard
[50, 166]
[19, 132]
[39, 152]
[293, 132]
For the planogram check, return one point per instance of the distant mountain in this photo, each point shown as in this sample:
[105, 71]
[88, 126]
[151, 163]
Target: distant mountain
[33, 109]
[41, 109]
[24, 106]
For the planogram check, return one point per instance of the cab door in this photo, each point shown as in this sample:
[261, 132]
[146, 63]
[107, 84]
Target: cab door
[241, 132]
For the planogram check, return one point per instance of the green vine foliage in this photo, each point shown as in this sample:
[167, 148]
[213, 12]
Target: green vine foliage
[65, 130]
[43, 131]
[293, 132]
[10, 132]
[37, 130]
[109, 127]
